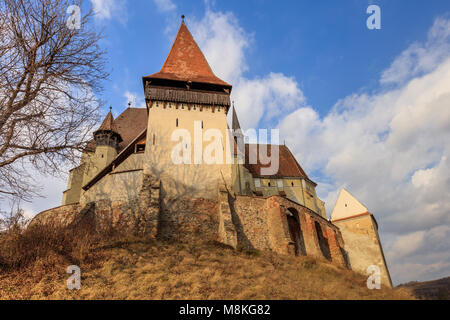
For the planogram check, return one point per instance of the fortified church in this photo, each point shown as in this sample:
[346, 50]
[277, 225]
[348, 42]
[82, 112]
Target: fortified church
[128, 177]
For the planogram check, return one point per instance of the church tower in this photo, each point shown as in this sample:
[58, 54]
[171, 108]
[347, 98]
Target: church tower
[187, 143]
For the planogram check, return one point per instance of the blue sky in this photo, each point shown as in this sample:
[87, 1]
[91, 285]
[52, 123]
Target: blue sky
[325, 45]
[368, 110]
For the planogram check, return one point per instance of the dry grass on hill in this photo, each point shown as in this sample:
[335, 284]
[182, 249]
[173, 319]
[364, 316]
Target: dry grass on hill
[138, 269]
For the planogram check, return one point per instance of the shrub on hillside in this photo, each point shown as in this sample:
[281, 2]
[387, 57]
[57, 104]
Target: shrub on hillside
[22, 244]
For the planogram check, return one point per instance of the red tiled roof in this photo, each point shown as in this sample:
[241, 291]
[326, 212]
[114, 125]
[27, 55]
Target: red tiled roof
[186, 62]
[288, 165]
[129, 124]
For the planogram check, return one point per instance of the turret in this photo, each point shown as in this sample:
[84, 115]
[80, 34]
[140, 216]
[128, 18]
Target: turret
[107, 141]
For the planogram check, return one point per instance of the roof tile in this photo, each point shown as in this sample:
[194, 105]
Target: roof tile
[186, 62]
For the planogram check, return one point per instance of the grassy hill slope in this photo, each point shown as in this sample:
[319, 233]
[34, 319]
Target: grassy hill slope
[138, 269]
[430, 290]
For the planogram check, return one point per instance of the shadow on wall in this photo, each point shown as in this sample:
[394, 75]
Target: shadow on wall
[242, 240]
[123, 184]
[323, 241]
[295, 231]
[182, 180]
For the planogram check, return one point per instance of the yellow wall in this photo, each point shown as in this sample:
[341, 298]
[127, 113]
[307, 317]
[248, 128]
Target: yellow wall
[123, 186]
[73, 192]
[184, 180]
[123, 183]
[91, 164]
[296, 189]
[363, 245]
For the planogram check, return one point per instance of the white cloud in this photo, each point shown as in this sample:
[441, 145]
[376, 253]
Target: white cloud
[137, 100]
[165, 5]
[223, 43]
[265, 99]
[390, 148]
[421, 58]
[110, 9]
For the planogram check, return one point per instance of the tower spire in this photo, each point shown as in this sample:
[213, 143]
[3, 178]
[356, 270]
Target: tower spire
[186, 62]
[235, 124]
[107, 133]
[237, 134]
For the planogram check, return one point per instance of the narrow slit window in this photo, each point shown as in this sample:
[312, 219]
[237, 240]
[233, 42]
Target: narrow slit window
[177, 122]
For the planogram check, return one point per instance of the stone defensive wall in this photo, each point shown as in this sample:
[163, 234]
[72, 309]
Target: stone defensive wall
[242, 222]
[280, 225]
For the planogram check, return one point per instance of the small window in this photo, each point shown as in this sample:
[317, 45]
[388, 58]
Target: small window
[177, 123]
[280, 183]
[202, 124]
[140, 148]
[292, 183]
[269, 184]
[154, 139]
[257, 183]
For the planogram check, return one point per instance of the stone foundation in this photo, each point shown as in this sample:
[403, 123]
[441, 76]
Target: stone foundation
[244, 222]
[185, 219]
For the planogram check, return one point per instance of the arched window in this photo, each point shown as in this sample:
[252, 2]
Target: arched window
[295, 231]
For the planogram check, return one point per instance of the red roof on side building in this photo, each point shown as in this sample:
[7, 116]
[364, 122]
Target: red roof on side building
[288, 165]
[186, 62]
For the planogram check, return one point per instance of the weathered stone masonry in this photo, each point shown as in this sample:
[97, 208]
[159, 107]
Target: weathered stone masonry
[244, 222]
[137, 216]
[262, 224]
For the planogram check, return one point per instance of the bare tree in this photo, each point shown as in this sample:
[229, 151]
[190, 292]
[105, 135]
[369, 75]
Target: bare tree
[50, 74]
